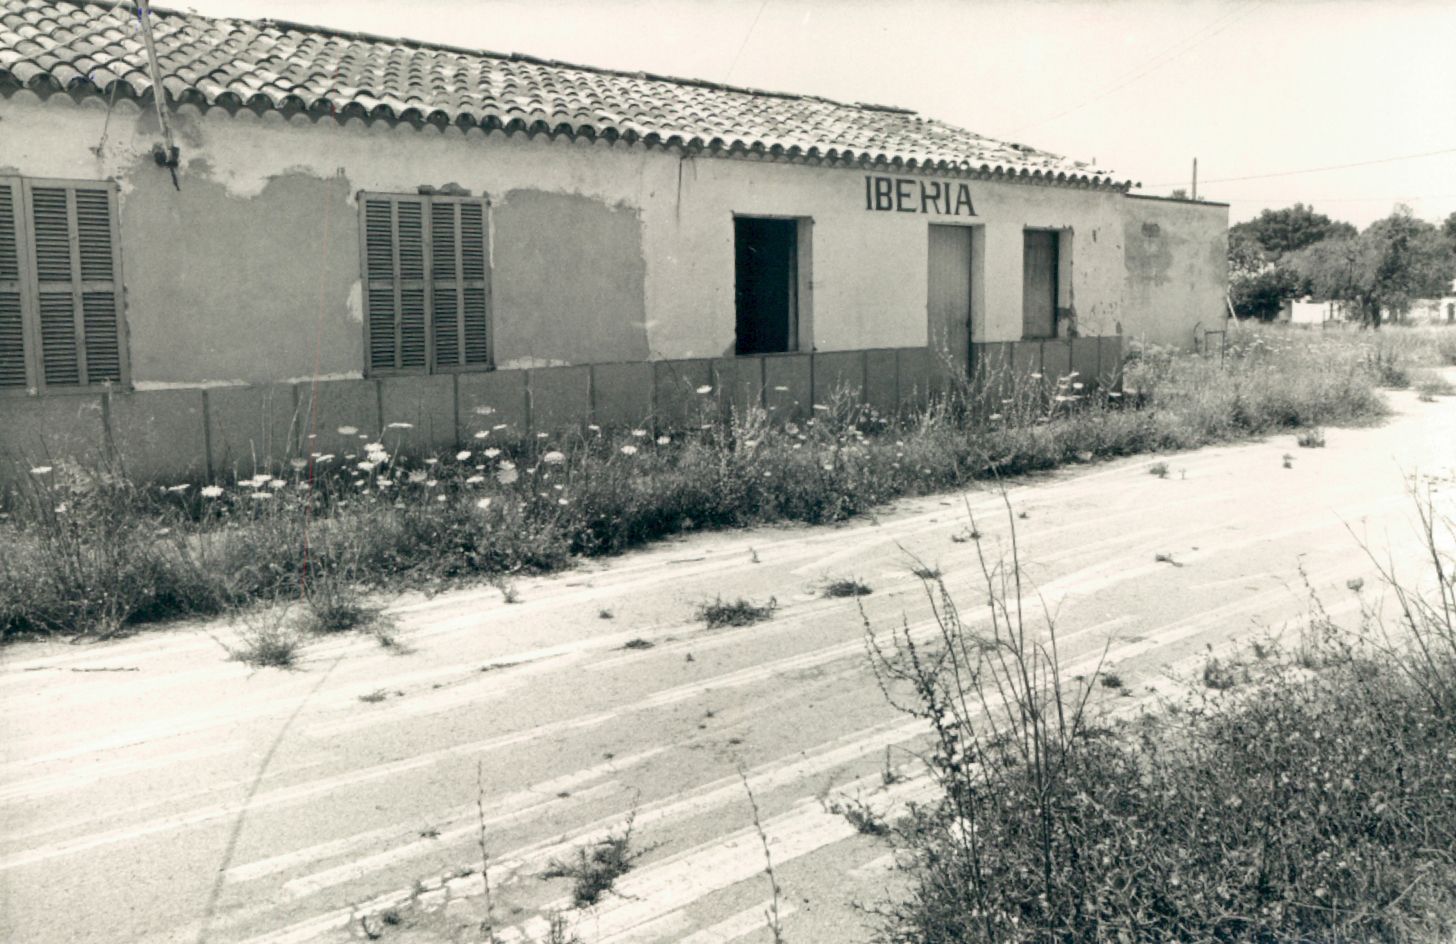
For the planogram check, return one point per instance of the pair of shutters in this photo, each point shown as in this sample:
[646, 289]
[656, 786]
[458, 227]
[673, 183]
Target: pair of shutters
[60, 285]
[426, 283]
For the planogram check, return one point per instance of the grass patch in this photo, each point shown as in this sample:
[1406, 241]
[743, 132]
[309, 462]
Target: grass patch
[1298, 796]
[739, 612]
[847, 587]
[89, 551]
[638, 644]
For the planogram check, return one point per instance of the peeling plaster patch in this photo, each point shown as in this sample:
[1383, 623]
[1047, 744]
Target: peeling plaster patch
[244, 187]
[527, 363]
[356, 302]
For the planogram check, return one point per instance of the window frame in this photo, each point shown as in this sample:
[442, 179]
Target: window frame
[427, 282]
[29, 287]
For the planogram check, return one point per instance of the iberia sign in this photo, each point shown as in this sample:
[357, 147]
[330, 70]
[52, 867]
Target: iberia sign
[902, 195]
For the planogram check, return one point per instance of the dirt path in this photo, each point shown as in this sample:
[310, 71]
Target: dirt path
[154, 791]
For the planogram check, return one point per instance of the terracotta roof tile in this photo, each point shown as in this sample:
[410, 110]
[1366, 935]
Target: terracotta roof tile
[88, 46]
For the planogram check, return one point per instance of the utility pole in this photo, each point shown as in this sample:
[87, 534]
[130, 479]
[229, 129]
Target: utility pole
[1195, 178]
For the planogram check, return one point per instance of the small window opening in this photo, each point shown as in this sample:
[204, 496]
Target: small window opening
[1040, 284]
[766, 285]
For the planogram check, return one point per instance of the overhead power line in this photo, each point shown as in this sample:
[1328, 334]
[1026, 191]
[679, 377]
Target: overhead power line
[1197, 38]
[1315, 170]
[746, 36]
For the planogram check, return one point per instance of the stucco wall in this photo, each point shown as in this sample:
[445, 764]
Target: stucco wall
[600, 253]
[1177, 269]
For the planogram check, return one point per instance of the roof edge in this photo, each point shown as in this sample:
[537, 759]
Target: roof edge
[845, 158]
[412, 43]
[1167, 199]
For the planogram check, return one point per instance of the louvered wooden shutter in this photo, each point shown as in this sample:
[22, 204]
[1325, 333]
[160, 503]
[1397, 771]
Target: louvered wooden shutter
[426, 289]
[394, 268]
[458, 276]
[13, 371]
[75, 264]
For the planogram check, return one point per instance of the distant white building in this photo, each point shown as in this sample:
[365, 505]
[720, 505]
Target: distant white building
[1306, 311]
[1434, 310]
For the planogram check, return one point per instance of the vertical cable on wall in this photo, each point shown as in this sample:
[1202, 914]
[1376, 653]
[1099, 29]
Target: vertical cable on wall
[165, 153]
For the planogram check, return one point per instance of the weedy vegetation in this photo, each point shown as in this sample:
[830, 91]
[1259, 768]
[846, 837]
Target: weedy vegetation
[1305, 795]
[266, 637]
[772, 915]
[596, 867]
[1160, 469]
[859, 814]
[739, 612]
[847, 587]
[90, 551]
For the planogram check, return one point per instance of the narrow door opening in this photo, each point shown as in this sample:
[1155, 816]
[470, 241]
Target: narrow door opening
[949, 294]
[766, 285]
[1039, 284]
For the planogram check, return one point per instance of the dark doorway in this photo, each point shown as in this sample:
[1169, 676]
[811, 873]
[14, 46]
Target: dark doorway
[766, 284]
[1039, 284]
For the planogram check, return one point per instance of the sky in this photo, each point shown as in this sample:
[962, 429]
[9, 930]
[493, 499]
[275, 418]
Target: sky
[1273, 97]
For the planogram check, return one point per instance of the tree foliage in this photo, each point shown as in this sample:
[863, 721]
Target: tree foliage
[1262, 294]
[1261, 276]
[1281, 232]
[1396, 260]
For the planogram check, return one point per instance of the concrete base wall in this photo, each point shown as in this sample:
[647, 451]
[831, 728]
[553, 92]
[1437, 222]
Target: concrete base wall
[227, 432]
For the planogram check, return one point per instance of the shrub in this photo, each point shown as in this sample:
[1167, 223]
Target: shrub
[1310, 804]
[1429, 385]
